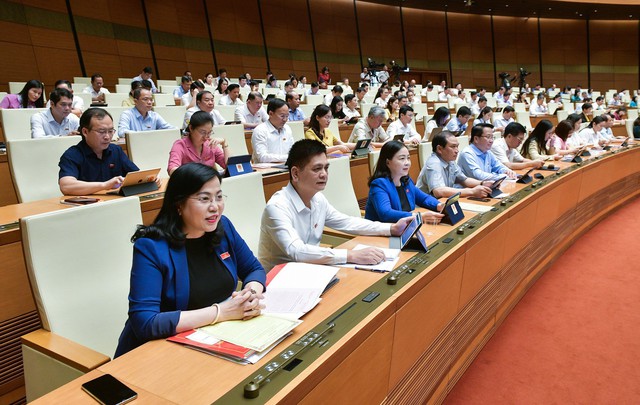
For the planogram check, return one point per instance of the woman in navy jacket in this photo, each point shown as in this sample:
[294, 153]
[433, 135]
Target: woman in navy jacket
[392, 193]
[186, 265]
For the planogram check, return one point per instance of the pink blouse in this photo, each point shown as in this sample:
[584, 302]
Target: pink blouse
[183, 151]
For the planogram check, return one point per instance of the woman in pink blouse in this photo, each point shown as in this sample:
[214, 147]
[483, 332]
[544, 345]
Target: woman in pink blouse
[198, 146]
[29, 97]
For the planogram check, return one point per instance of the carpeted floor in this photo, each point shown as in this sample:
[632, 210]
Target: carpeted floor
[575, 337]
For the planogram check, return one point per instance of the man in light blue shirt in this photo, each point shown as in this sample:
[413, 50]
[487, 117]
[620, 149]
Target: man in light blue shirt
[146, 74]
[57, 120]
[477, 161]
[140, 117]
[459, 123]
[295, 113]
[185, 85]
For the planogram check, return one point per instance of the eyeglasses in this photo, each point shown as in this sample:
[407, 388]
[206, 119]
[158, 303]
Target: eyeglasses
[488, 137]
[203, 133]
[208, 200]
[103, 132]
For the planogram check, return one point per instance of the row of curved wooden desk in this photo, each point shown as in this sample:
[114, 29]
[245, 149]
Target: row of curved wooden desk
[414, 341]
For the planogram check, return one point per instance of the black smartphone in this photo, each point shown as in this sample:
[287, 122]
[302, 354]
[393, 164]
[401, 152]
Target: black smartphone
[107, 390]
[479, 199]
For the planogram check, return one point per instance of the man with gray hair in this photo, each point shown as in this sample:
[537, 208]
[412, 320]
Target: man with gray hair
[251, 114]
[371, 128]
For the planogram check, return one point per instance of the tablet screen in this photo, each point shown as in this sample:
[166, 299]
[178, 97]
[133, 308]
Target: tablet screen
[412, 228]
[496, 184]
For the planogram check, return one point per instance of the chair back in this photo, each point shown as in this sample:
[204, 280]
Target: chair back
[364, 109]
[16, 87]
[123, 88]
[234, 134]
[16, 123]
[150, 149]
[116, 112]
[629, 125]
[297, 130]
[334, 127]
[82, 79]
[424, 151]
[115, 99]
[81, 289]
[227, 111]
[339, 189]
[463, 142]
[34, 165]
[373, 160]
[314, 99]
[163, 99]
[523, 118]
[307, 109]
[420, 110]
[245, 203]
[174, 115]
[562, 115]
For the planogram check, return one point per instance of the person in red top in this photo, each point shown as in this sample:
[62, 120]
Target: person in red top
[324, 76]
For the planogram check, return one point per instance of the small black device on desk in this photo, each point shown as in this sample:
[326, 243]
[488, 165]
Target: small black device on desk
[107, 390]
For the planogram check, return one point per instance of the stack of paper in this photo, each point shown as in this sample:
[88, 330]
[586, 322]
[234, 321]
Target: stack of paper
[391, 259]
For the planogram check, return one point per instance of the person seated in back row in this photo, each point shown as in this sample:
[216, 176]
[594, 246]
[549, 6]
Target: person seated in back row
[294, 218]
[140, 117]
[57, 120]
[272, 139]
[371, 128]
[477, 161]
[94, 164]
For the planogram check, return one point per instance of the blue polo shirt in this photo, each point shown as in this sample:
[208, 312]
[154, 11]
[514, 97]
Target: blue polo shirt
[81, 162]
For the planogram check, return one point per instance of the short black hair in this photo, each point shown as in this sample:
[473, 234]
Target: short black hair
[136, 92]
[349, 97]
[405, 109]
[201, 94]
[586, 106]
[232, 87]
[440, 139]
[274, 104]
[198, 119]
[514, 128]
[477, 131]
[462, 111]
[508, 109]
[57, 94]
[87, 116]
[186, 79]
[148, 69]
[302, 151]
[95, 76]
[62, 81]
[337, 89]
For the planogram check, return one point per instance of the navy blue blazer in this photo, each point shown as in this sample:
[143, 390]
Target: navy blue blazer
[384, 203]
[160, 284]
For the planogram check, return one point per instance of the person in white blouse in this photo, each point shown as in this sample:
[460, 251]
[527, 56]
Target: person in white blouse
[439, 120]
[539, 108]
[294, 217]
[351, 107]
[204, 102]
[382, 97]
[484, 117]
[232, 97]
[499, 123]
[402, 126]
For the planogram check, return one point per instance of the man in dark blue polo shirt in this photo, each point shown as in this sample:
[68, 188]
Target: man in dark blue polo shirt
[94, 164]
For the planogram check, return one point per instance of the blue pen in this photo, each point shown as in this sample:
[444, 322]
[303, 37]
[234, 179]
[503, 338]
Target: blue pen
[373, 270]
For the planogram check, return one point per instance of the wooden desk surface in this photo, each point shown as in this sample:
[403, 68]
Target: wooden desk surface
[460, 298]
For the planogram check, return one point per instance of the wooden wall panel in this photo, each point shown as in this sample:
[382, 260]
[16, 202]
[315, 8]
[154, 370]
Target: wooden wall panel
[380, 32]
[564, 52]
[336, 38]
[426, 40]
[614, 54]
[286, 28]
[516, 41]
[238, 40]
[471, 53]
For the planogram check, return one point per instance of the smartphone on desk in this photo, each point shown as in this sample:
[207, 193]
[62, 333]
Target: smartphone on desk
[107, 390]
[79, 200]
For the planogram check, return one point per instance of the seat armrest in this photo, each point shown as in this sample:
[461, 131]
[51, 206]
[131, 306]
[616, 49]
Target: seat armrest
[64, 350]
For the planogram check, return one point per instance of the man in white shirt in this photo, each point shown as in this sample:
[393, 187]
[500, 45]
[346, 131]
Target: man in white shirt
[371, 128]
[500, 123]
[78, 103]
[295, 217]
[57, 120]
[222, 75]
[606, 133]
[506, 148]
[402, 126]
[335, 92]
[185, 85]
[499, 95]
[251, 114]
[539, 108]
[383, 75]
[146, 74]
[204, 102]
[314, 89]
[189, 98]
[288, 87]
[476, 108]
[272, 139]
[232, 97]
[615, 101]
[243, 82]
[552, 90]
[600, 106]
[444, 95]
[96, 88]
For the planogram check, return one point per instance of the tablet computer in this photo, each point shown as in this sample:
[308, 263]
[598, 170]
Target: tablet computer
[399, 138]
[237, 165]
[402, 241]
[142, 181]
[361, 148]
[525, 178]
[495, 187]
[452, 210]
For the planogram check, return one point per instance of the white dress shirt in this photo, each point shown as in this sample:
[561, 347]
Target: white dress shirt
[43, 125]
[218, 119]
[226, 100]
[270, 144]
[243, 115]
[94, 94]
[501, 151]
[362, 130]
[292, 232]
[397, 128]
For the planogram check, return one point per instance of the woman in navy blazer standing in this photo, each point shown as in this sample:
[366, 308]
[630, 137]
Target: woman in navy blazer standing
[186, 265]
[392, 193]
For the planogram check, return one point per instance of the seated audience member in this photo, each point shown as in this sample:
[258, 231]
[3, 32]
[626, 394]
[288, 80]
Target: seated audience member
[360, 93]
[484, 117]
[185, 85]
[324, 75]
[634, 102]
[370, 128]
[392, 194]
[350, 107]
[288, 87]
[575, 97]
[319, 131]
[57, 120]
[540, 143]
[272, 83]
[30, 96]
[243, 82]
[337, 109]
[336, 91]
[146, 74]
[477, 161]
[251, 114]
[187, 264]
[606, 132]
[564, 131]
[500, 123]
[204, 102]
[615, 101]
[232, 97]
[557, 100]
[78, 103]
[620, 114]
[208, 79]
[96, 88]
[459, 123]
[476, 108]
[94, 164]
[445, 95]
[272, 139]
[314, 89]
[345, 86]
[140, 117]
[439, 120]
[636, 128]
[500, 95]
[539, 108]
[295, 113]
[198, 146]
[131, 102]
[586, 111]
[600, 105]
[403, 127]
[506, 148]
[382, 97]
[591, 135]
[295, 216]
[222, 77]
[522, 98]
[189, 98]
[392, 109]
[441, 174]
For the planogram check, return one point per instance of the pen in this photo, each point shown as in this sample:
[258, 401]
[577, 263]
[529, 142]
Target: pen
[373, 270]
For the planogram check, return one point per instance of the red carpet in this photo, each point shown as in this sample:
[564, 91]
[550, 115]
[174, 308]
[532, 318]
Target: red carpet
[575, 337]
